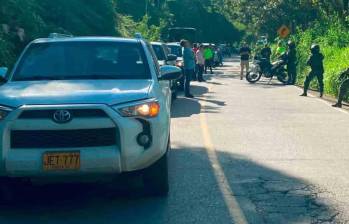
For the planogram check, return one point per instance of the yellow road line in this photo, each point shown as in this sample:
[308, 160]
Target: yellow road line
[233, 206]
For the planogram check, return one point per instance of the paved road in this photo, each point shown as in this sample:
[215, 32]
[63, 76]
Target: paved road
[241, 153]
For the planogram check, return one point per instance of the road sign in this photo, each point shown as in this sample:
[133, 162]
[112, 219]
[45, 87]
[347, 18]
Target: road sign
[284, 31]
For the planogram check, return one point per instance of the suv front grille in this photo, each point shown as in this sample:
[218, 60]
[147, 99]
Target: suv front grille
[75, 113]
[39, 139]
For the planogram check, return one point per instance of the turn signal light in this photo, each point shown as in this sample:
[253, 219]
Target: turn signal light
[147, 110]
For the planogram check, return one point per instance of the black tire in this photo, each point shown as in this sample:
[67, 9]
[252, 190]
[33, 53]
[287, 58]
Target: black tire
[283, 77]
[155, 178]
[252, 77]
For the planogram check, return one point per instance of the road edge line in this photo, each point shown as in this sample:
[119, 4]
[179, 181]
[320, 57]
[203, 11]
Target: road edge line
[232, 204]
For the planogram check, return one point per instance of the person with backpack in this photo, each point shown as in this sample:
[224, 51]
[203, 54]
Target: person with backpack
[317, 69]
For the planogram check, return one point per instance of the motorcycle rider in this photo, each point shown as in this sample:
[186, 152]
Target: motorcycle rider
[291, 63]
[343, 89]
[317, 69]
[266, 52]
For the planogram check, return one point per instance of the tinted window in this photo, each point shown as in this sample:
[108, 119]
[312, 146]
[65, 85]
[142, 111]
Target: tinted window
[176, 50]
[159, 51]
[83, 60]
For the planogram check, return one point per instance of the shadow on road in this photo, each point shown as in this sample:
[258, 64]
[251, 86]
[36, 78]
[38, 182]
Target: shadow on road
[265, 84]
[186, 107]
[265, 195]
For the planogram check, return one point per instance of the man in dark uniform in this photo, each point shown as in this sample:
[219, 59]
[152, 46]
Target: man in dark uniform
[266, 52]
[292, 63]
[343, 89]
[317, 69]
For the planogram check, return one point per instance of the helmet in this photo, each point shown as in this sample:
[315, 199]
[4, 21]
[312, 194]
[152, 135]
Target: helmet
[291, 44]
[315, 48]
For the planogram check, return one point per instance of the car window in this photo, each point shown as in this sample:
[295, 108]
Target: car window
[155, 60]
[83, 60]
[159, 51]
[176, 50]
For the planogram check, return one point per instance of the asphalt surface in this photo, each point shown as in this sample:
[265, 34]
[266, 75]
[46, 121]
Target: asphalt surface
[241, 153]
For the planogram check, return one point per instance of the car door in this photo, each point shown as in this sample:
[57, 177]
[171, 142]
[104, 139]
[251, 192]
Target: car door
[165, 85]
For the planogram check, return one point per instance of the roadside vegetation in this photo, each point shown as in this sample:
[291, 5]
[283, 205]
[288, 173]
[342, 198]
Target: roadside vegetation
[325, 22]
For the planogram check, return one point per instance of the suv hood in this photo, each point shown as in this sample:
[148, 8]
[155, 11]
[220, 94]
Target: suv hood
[111, 92]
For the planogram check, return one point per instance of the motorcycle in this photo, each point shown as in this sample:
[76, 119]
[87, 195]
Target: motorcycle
[263, 67]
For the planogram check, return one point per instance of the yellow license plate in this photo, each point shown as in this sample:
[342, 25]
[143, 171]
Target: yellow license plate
[57, 161]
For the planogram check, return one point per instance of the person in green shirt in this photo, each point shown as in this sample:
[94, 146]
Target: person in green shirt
[208, 55]
[280, 50]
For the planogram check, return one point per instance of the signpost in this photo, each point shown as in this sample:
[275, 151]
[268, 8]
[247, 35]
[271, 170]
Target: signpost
[284, 31]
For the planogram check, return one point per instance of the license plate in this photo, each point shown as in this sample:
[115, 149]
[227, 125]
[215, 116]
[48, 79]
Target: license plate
[57, 161]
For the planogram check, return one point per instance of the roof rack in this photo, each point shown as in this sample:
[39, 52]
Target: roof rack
[59, 35]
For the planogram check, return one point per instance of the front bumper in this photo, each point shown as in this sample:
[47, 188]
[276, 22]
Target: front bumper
[124, 156]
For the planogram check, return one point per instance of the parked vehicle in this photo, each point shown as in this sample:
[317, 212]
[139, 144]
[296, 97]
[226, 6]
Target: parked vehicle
[86, 108]
[176, 49]
[165, 58]
[263, 67]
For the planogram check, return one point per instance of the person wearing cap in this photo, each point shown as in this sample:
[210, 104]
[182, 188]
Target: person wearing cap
[317, 69]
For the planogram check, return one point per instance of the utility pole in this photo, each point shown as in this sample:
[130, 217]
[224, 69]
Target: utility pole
[146, 7]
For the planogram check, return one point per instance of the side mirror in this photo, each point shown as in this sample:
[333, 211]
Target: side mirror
[3, 72]
[171, 57]
[169, 72]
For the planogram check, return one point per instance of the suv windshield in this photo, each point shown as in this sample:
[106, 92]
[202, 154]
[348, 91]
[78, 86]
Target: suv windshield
[82, 60]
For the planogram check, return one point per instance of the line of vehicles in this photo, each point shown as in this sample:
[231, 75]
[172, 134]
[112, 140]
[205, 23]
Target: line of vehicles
[79, 109]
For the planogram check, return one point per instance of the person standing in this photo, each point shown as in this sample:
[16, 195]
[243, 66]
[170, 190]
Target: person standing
[280, 50]
[208, 55]
[245, 53]
[189, 66]
[317, 69]
[292, 63]
[200, 61]
[195, 48]
[343, 89]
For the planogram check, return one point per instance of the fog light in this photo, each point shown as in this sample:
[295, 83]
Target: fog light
[144, 140]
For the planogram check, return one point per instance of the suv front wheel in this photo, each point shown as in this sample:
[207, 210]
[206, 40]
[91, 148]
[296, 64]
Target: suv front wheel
[155, 177]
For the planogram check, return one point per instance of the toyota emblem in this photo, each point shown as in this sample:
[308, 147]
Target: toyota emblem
[62, 116]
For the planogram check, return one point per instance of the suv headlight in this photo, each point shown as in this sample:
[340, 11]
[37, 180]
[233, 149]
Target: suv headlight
[4, 111]
[146, 109]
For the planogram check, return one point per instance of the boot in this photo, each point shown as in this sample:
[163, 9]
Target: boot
[304, 94]
[339, 105]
